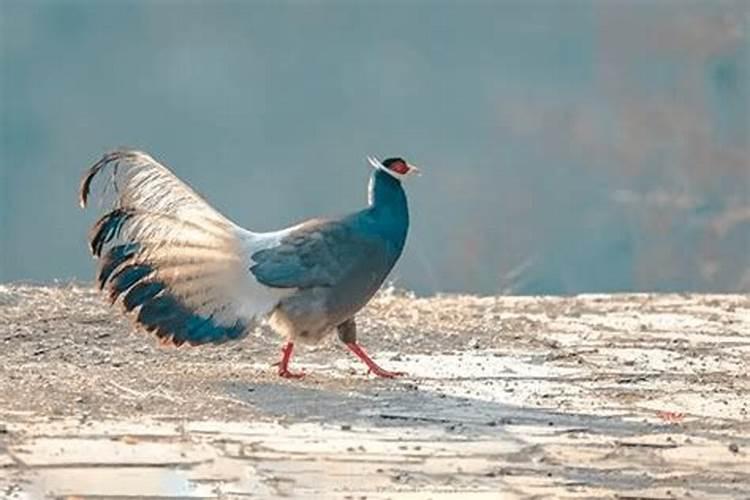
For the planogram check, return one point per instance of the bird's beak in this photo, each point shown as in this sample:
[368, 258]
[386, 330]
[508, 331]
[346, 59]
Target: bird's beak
[413, 170]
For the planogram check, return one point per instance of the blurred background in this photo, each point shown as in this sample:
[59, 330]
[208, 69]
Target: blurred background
[568, 146]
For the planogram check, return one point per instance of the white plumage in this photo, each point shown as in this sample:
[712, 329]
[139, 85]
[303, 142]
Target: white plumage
[162, 232]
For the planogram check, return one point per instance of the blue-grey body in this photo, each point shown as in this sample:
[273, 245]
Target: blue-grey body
[336, 266]
[186, 273]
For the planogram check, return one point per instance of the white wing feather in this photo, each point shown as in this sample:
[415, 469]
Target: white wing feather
[172, 259]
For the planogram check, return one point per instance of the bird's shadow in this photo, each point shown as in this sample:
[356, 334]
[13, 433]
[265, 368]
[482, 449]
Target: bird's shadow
[408, 406]
[387, 404]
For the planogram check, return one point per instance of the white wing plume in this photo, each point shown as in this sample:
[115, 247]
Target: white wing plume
[165, 254]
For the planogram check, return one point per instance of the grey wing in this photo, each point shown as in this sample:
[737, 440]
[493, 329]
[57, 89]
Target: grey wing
[319, 253]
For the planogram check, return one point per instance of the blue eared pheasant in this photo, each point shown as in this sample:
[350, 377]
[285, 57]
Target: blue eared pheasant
[186, 273]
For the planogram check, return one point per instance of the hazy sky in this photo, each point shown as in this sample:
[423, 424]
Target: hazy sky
[567, 146]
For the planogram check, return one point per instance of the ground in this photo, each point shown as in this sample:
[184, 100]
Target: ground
[615, 396]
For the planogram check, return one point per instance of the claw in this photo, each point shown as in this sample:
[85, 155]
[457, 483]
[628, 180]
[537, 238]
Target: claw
[385, 373]
[286, 355]
[293, 375]
[373, 367]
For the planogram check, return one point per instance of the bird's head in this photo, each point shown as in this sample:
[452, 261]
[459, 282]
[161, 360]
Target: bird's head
[395, 167]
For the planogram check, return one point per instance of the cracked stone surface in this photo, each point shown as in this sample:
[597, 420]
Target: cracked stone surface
[619, 396]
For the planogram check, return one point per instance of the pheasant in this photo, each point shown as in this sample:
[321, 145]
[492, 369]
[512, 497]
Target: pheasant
[186, 273]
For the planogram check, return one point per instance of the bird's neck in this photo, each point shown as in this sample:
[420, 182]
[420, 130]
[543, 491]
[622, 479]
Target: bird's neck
[387, 204]
[386, 192]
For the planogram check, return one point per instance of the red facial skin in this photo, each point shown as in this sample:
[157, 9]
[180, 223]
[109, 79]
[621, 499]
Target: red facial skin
[399, 167]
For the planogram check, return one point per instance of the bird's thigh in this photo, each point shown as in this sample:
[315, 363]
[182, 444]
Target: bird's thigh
[303, 318]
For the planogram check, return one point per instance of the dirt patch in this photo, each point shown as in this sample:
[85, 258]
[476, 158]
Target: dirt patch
[634, 395]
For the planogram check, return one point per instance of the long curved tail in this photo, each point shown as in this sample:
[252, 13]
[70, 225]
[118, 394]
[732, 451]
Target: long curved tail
[177, 265]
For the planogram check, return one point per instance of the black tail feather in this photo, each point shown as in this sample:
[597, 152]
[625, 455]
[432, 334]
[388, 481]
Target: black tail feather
[107, 228]
[112, 260]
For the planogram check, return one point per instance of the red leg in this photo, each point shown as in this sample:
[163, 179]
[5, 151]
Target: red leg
[286, 355]
[374, 368]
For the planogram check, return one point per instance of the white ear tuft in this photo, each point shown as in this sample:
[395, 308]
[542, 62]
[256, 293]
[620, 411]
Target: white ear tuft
[375, 163]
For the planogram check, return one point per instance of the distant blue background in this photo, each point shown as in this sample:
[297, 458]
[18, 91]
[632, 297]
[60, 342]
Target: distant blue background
[567, 146]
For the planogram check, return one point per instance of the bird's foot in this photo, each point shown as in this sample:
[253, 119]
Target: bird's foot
[377, 371]
[285, 373]
[372, 365]
[286, 355]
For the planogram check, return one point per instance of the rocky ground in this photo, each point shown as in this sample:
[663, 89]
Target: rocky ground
[618, 396]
